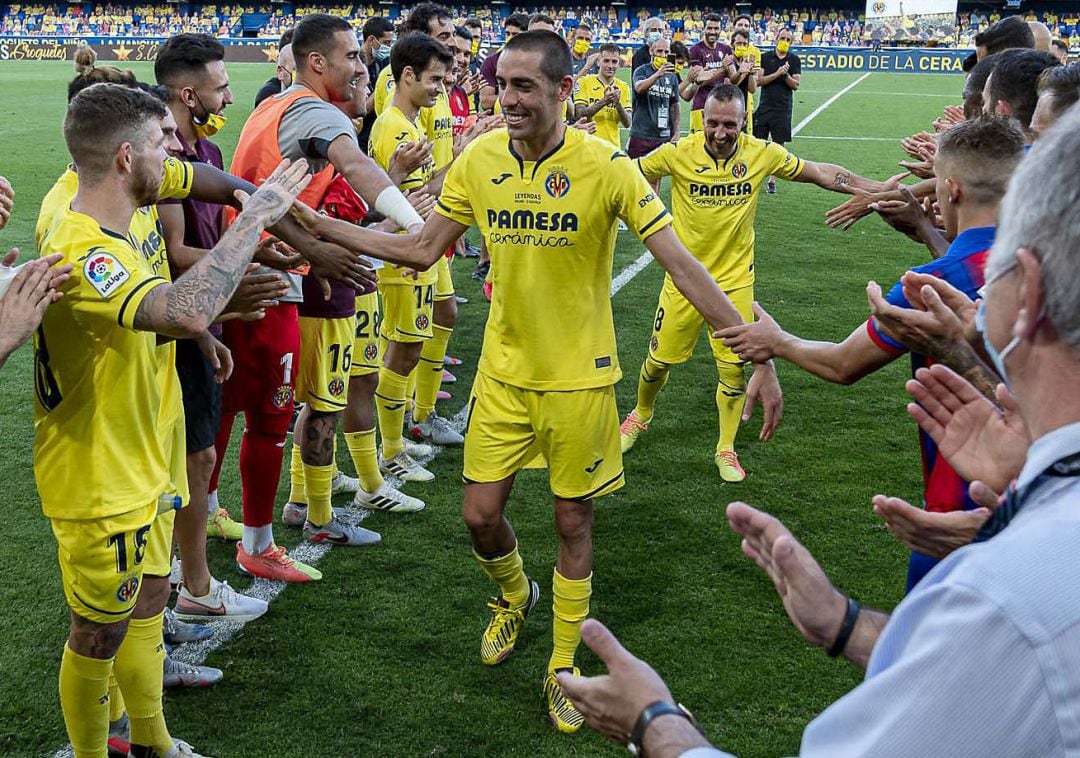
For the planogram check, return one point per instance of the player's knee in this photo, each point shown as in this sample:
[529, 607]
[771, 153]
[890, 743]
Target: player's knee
[446, 313]
[268, 424]
[153, 596]
[94, 640]
[362, 388]
[731, 373]
[481, 514]
[573, 520]
[201, 463]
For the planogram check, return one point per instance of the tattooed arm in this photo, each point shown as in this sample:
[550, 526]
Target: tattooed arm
[839, 179]
[190, 304]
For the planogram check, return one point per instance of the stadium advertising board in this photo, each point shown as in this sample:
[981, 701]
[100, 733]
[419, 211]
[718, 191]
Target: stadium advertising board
[892, 60]
[910, 21]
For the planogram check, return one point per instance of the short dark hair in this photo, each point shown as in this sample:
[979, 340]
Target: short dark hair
[610, 47]
[186, 55]
[1062, 85]
[583, 25]
[1007, 33]
[90, 74]
[712, 17]
[286, 37]
[474, 21]
[970, 62]
[679, 50]
[541, 18]
[975, 83]
[984, 152]
[1061, 45]
[316, 33]
[376, 26]
[417, 50]
[422, 16]
[726, 93]
[1014, 80]
[518, 20]
[741, 33]
[554, 54]
[101, 118]
[464, 33]
[741, 16]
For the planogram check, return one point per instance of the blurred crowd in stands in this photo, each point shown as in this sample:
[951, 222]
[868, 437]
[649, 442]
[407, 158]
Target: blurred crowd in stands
[810, 25]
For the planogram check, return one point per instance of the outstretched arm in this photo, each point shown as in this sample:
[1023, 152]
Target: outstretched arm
[839, 179]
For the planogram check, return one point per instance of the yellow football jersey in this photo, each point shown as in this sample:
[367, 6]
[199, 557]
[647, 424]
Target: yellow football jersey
[589, 90]
[438, 124]
[98, 451]
[550, 230]
[715, 202]
[391, 129]
[384, 90]
[147, 234]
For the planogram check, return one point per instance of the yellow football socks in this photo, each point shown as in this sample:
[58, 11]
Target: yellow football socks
[730, 399]
[138, 666]
[116, 699]
[84, 687]
[365, 458]
[430, 371]
[318, 486]
[297, 491]
[410, 390]
[390, 407]
[508, 572]
[651, 379]
[570, 607]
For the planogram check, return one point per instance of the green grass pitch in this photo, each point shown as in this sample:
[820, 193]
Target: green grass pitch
[381, 657]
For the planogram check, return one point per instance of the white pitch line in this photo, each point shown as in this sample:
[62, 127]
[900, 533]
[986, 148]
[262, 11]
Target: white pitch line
[882, 92]
[855, 139]
[817, 111]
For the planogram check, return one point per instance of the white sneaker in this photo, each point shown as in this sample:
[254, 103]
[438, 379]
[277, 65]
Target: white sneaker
[418, 449]
[221, 602]
[404, 468]
[437, 430]
[388, 499]
[295, 514]
[344, 484]
[177, 674]
[183, 750]
[176, 574]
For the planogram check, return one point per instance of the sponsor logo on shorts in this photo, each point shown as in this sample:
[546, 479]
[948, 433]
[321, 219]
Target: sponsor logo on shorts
[422, 321]
[336, 387]
[104, 272]
[283, 396]
[128, 590]
[592, 469]
[739, 170]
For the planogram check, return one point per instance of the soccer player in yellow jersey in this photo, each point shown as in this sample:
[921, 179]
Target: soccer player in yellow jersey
[546, 197]
[99, 398]
[716, 178]
[603, 99]
[419, 64]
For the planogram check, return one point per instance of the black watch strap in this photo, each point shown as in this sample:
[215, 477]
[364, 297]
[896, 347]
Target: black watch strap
[651, 712]
[846, 628]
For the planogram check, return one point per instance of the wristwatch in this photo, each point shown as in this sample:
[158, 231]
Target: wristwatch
[636, 744]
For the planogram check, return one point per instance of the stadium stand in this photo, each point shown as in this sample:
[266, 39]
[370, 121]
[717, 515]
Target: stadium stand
[819, 27]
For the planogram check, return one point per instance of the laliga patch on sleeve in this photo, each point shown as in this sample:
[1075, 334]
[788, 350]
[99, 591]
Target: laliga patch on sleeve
[104, 273]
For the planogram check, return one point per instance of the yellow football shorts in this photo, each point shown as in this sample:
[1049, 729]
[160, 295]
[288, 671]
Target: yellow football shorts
[576, 431]
[158, 559]
[444, 285]
[366, 355]
[326, 352]
[677, 325]
[697, 120]
[407, 312]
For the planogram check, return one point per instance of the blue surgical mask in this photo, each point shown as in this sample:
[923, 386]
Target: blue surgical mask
[381, 53]
[652, 37]
[998, 359]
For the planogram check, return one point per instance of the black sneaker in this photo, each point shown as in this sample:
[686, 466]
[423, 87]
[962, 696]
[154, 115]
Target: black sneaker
[481, 271]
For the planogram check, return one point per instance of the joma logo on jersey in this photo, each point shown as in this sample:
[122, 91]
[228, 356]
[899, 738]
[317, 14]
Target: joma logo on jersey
[721, 190]
[500, 178]
[557, 184]
[541, 221]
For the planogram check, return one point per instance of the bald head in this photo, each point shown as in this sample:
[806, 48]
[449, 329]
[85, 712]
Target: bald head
[1041, 33]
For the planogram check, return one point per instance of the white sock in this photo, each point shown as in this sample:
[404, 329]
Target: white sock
[212, 503]
[257, 538]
